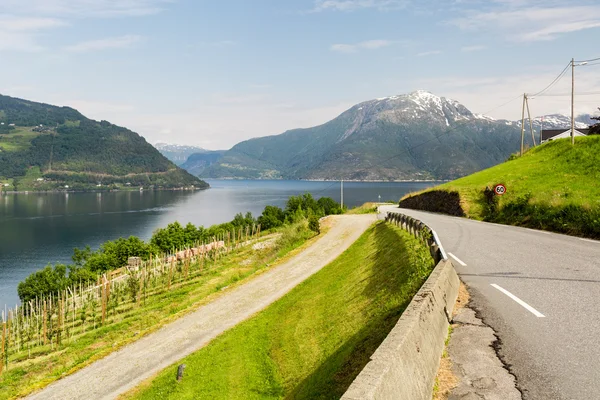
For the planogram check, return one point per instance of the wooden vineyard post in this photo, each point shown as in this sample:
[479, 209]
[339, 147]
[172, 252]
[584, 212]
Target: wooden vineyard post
[103, 298]
[59, 321]
[4, 359]
[171, 272]
[45, 327]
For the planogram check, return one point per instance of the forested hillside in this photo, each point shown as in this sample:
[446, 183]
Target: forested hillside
[44, 147]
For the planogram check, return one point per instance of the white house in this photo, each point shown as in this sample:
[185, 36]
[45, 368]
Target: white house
[553, 134]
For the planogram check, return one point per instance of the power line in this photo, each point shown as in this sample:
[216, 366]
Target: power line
[590, 60]
[555, 81]
[568, 94]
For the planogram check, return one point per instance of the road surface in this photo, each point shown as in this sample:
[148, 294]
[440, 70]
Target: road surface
[544, 307]
[126, 368]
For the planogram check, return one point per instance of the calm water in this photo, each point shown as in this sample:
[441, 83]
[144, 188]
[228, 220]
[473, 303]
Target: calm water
[37, 229]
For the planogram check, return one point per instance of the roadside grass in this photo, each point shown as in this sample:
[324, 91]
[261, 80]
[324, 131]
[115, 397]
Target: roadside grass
[29, 371]
[18, 140]
[367, 208]
[553, 186]
[313, 342]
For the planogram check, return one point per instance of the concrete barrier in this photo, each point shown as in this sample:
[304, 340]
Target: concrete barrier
[406, 363]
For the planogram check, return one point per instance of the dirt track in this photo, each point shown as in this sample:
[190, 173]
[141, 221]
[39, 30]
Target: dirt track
[126, 368]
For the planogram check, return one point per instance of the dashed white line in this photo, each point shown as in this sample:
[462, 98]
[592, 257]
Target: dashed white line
[521, 302]
[458, 260]
[590, 241]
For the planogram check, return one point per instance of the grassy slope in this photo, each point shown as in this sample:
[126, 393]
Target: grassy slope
[552, 187]
[26, 372]
[555, 173]
[314, 341]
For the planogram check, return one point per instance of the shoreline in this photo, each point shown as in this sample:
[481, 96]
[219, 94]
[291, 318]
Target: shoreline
[334, 180]
[187, 189]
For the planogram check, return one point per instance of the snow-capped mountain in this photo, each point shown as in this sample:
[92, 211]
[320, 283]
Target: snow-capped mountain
[557, 121]
[178, 154]
[413, 136]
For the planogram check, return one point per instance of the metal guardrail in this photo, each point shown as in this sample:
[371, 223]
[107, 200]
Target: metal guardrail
[420, 231]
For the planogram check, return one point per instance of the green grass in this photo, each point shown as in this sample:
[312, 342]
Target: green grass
[18, 140]
[555, 173]
[314, 341]
[30, 371]
[553, 186]
[367, 208]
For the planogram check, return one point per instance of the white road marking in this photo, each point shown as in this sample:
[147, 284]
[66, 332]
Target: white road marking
[537, 231]
[458, 260]
[590, 241]
[521, 302]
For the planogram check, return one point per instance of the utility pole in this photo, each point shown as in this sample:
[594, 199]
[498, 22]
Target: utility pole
[342, 194]
[523, 125]
[573, 101]
[530, 121]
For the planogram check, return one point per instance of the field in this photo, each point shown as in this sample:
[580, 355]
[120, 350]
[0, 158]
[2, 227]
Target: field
[553, 186]
[314, 341]
[86, 339]
[18, 140]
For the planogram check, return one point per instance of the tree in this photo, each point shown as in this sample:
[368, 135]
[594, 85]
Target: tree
[595, 129]
[314, 225]
[329, 206]
[272, 217]
[49, 280]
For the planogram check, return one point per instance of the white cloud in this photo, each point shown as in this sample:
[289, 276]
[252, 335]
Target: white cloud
[121, 42]
[20, 33]
[429, 53]
[84, 8]
[352, 5]
[484, 93]
[526, 21]
[470, 49]
[366, 45]
[22, 21]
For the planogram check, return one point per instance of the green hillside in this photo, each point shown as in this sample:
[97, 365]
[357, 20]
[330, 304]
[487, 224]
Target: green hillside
[553, 186]
[44, 147]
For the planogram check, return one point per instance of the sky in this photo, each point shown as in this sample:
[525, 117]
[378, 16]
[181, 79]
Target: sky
[213, 73]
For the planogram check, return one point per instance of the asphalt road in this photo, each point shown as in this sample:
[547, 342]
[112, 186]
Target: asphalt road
[556, 356]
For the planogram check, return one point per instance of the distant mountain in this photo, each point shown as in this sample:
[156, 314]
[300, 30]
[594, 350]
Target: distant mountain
[44, 147]
[197, 163]
[178, 153]
[408, 137]
[558, 121]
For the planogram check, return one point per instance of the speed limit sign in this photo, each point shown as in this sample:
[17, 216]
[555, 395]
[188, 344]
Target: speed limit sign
[500, 190]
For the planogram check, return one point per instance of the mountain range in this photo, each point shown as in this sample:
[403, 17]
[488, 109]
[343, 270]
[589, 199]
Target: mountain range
[417, 136]
[44, 147]
[177, 153]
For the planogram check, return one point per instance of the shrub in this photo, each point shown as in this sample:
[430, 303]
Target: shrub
[314, 224]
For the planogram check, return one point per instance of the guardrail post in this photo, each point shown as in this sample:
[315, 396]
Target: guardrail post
[419, 230]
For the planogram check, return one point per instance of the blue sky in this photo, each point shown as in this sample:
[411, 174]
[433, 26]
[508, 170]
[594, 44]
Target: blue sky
[213, 73]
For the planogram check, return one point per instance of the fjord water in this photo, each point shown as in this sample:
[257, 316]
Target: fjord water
[41, 228]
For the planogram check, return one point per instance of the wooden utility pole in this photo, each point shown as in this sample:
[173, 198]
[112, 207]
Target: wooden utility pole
[342, 195]
[523, 125]
[530, 121]
[573, 101]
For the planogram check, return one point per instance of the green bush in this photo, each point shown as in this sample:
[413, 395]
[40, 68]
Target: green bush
[314, 225]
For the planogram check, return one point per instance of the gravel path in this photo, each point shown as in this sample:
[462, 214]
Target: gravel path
[126, 368]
